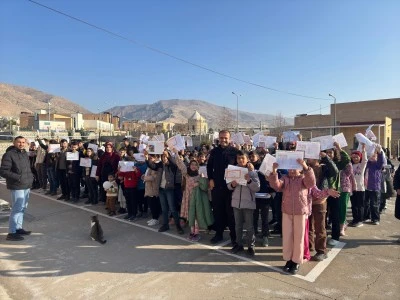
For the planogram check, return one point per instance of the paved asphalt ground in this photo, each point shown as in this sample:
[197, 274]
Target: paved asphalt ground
[60, 261]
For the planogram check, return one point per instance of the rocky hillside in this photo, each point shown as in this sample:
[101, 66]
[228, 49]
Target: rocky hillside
[178, 111]
[15, 99]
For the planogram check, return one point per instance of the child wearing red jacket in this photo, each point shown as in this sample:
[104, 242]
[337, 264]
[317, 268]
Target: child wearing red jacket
[131, 180]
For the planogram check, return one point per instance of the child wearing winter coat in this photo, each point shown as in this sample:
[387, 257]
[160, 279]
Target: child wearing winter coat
[195, 205]
[295, 211]
[359, 161]
[244, 204]
[373, 186]
[130, 181]
[111, 189]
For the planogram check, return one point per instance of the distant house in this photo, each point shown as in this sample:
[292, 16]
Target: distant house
[197, 124]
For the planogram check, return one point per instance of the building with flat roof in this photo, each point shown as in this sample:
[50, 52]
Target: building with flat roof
[353, 117]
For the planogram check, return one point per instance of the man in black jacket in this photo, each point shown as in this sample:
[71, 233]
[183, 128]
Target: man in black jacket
[15, 168]
[220, 158]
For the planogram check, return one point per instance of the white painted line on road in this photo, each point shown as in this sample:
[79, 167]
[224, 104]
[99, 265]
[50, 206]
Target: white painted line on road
[322, 265]
[310, 277]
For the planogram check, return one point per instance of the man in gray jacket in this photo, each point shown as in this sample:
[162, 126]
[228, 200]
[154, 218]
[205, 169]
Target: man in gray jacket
[15, 168]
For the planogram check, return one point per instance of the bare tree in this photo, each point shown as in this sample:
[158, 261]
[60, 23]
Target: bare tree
[226, 120]
[278, 124]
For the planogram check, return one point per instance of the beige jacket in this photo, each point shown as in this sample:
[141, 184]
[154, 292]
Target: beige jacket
[152, 180]
[40, 154]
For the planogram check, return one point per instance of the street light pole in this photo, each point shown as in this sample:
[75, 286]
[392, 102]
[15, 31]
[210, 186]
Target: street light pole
[237, 110]
[334, 113]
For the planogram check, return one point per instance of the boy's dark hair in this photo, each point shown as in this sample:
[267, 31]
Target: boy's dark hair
[74, 143]
[111, 174]
[254, 152]
[63, 140]
[242, 153]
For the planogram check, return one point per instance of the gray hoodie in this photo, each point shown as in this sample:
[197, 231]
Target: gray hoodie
[243, 196]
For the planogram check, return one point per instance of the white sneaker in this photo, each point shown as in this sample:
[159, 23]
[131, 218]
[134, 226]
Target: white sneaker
[153, 222]
[332, 242]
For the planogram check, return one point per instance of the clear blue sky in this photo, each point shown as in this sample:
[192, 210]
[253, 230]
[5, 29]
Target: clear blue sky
[347, 48]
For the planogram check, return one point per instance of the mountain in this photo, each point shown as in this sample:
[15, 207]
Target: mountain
[15, 99]
[178, 111]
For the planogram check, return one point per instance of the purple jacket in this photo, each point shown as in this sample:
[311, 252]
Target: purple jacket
[374, 173]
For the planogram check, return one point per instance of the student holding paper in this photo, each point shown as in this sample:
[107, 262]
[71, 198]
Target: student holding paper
[263, 200]
[107, 164]
[49, 165]
[295, 210]
[130, 182]
[152, 180]
[325, 171]
[341, 159]
[359, 161]
[91, 183]
[61, 169]
[167, 186]
[244, 204]
[195, 203]
[74, 173]
[373, 186]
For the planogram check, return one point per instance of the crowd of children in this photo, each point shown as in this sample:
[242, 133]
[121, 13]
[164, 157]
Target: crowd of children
[305, 202]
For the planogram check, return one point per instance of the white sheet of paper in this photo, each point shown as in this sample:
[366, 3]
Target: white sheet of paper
[216, 136]
[236, 173]
[159, 138]
[189, 141]
[54, 148]
[266, 165]
[311, 149]
[256, 138]
[326, 141]
[246, 139]
[176, 142]
[203, 170]
[142, 147]
[363, 139]
[268, 140]
[93, 171]
[126, 166]
[94, 147]
[155, 147]
[370, 149]
[139, 156]
[290, 136]
[72, 155]
[237, 138]
[85, 162]
[340, 139]
[288, 159]
[369, 134]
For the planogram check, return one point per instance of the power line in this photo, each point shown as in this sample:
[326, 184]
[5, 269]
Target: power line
[173, 56]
